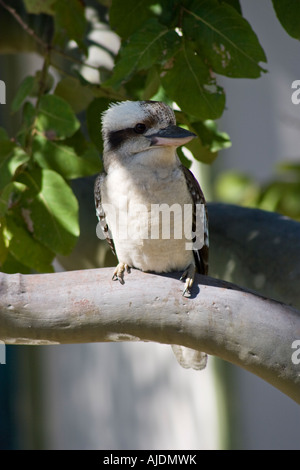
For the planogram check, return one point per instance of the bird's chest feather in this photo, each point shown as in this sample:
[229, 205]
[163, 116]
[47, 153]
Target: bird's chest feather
[149, 214]
[146, 186]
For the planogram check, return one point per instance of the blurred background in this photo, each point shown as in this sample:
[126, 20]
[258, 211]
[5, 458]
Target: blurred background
[134, 395]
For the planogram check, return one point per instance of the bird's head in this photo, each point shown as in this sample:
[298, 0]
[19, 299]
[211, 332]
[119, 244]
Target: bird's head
[135, 127]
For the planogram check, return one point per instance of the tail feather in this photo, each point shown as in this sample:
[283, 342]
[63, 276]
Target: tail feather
[190, 358]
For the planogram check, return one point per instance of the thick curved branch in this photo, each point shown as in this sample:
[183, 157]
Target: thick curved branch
[221, 319]
[256, 249]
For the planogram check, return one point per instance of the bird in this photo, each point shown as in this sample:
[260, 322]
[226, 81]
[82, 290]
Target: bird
[142, 175]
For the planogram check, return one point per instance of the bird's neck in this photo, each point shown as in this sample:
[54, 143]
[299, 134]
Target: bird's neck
[158, 157]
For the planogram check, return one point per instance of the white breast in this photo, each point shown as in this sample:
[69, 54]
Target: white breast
[149, 213]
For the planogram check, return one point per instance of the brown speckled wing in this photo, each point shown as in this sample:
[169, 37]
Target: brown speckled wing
[100, 212]
[201, 256]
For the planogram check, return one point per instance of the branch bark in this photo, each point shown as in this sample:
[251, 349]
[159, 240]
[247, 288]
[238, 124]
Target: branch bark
[221, 319]
[256, 249]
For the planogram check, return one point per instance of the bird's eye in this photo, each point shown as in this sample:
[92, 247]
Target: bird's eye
[140, 128]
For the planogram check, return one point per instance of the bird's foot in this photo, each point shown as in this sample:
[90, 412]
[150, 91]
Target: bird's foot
[118, 274]
[188, 275]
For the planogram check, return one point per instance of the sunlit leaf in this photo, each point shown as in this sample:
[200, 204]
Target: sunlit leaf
[52, 210]
[3, 244]
[25, 248]
[11, 157]
[211, 138]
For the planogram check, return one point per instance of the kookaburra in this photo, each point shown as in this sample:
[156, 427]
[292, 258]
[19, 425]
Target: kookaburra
[143, 178]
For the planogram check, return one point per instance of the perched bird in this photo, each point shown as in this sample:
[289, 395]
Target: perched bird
[144, 181]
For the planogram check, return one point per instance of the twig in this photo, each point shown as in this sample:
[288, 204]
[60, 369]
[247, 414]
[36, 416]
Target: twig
[24, 25]
[42, 43]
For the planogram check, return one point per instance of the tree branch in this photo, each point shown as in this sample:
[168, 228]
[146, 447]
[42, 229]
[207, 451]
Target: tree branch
[221, 319]
[256, 249]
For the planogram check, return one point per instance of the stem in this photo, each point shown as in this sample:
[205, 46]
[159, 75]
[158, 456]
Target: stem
[24, 25]
[43, 44]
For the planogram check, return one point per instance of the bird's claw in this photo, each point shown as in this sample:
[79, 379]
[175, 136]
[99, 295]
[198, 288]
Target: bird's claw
[118, 274]
[188, 275]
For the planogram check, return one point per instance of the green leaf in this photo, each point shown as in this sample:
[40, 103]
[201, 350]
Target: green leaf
[10, 196]
[152, 44]
[234, 3]
[152, 84]
[93, 119]
[24, 90]
[10, 265]
[288, 14]
[205, 149]
[56, 117]
[70, 22]
[224, 38]
[25, 248]
[28, 114]
[51, 210]
[11, 157]
[3, 244]
[28, 117]
[64, 160]
[39, 6]
[3, 134]
[211, 138]
[195, 92]
[183, 158]
[127, 16]
[77, 95]
[47, 82]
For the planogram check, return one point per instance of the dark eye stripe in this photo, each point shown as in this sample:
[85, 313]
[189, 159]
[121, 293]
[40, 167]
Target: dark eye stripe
[116, 138]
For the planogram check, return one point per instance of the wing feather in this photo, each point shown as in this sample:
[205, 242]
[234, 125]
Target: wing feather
[200, 255]
[100, 211]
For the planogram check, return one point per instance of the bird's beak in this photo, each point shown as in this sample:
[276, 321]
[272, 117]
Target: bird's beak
[172, 136]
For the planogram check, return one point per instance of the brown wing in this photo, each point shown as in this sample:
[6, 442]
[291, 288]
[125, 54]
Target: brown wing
[100, 212]
[201, 255]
